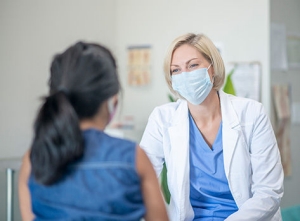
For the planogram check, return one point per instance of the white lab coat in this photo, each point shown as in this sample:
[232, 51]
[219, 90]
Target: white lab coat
[251, 157]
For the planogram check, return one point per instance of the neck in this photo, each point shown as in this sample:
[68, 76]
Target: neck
[99, 121]
[88, 124]
[209, 110]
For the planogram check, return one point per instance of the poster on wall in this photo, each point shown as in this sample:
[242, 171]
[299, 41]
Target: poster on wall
[293, 50]
[246, 79]
[278, 47]
[282, 97]
[139, 65]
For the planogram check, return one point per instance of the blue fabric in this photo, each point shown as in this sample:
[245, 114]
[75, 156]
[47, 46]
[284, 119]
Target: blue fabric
[210, 195]
[104, 185]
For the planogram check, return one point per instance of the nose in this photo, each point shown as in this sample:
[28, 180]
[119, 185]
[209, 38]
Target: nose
[184, 69]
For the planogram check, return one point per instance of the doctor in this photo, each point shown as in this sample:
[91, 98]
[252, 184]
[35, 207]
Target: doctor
[220, 151]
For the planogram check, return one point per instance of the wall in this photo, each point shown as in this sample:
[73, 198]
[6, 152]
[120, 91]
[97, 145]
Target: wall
[31, 32]
[287, 12]
[241, 26]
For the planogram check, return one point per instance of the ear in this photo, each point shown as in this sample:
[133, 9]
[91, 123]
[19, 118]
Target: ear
[211, 72]
[112, 104]
[115, 99]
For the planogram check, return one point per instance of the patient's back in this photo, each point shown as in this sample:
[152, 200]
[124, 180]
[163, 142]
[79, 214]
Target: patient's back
[103, 185]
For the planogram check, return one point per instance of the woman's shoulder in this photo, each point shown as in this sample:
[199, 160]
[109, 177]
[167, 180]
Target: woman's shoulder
[168, 109]
[100, 144]
[115, 141]
[242, 99]
[245, 106]
[101, 136]
[164, 114]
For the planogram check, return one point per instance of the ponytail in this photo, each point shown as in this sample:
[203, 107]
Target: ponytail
[58, 140]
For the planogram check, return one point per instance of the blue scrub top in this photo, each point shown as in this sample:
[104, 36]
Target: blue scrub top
[210, 195]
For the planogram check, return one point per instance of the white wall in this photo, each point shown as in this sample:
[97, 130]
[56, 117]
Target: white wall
[241, 25]
[287, 12]
[31, 32]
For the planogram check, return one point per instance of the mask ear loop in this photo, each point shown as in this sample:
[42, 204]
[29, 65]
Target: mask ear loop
[213, 77]
[209, 66]
[111, 108]
[110, 104]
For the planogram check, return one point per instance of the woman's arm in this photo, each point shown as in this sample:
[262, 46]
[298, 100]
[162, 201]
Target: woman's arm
[267, 175]
[155, 207]
[24, 194]
[152, 142]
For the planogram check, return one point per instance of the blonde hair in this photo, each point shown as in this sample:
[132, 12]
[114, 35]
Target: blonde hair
[206, 47]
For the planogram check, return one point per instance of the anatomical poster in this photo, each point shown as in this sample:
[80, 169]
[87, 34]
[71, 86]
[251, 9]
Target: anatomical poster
[139, 65]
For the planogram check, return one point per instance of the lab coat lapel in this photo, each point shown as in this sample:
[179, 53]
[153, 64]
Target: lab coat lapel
[230, 130]
[179, 154]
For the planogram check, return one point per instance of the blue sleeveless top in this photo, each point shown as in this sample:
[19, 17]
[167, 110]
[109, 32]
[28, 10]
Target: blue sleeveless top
[210, 195]
[103, 185]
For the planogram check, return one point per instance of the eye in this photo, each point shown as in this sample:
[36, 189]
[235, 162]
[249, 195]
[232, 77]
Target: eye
[193, 65]
[174, 71]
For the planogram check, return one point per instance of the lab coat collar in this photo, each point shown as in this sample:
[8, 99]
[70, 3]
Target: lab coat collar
[179, 133]
[229, 116]
[181, 113]
[179, 140]
[230, 130]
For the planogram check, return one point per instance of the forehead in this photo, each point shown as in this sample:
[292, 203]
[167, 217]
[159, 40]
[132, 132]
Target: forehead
[185, 53]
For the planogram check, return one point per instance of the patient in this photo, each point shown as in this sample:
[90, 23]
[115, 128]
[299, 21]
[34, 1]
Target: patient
[73, 170]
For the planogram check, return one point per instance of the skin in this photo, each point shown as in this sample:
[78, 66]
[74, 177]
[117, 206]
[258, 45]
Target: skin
[24, 194]
[206, 115]
[155, 207]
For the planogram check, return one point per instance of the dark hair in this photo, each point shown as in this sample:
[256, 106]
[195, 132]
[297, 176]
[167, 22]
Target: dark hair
[82, 78]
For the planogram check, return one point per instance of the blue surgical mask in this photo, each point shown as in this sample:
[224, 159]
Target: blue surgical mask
[194, 86]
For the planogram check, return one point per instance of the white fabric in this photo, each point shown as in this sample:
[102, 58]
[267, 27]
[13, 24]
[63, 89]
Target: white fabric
[251, 157]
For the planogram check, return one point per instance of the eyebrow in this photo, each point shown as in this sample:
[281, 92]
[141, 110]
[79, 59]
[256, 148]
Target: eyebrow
[185, 62]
